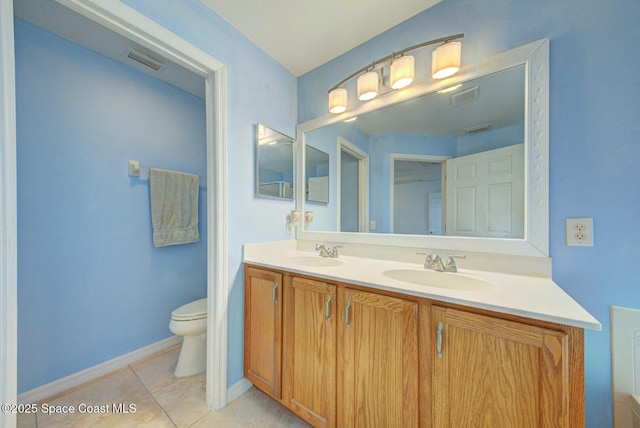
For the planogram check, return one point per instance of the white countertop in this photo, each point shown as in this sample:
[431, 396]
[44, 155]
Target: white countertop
[527, 296]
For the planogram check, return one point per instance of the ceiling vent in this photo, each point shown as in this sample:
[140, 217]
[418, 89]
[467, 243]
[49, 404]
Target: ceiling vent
[478, 128]
[144, 59]
[464, 96]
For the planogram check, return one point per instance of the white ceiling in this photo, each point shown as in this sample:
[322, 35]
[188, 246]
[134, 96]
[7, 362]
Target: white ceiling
[304, 34]
[300, 34]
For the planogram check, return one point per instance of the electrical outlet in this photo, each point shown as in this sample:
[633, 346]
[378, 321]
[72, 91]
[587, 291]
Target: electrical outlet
[580, 232]
[372, 225]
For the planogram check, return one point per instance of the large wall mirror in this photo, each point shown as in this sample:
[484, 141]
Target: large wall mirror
[274, 164]
[459, 164]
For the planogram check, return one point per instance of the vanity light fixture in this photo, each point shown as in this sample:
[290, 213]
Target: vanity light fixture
[403, 72]
[445, 62]
[338, 100]
[368, 86]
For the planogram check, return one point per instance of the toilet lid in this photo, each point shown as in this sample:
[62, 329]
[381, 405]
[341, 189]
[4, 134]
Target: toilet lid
[191, 311]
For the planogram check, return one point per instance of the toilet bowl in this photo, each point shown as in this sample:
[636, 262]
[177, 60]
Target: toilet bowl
[190, 321]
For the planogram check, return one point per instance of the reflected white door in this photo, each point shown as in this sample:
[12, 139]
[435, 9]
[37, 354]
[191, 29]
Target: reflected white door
[435, 213]
[485, 194]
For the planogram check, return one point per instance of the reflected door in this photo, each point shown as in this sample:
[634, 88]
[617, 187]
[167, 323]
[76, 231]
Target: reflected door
[435, 213]
[349, 192]
[353, 186]
[485, 194]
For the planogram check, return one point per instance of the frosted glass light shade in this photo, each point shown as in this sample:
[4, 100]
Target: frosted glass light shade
[338, 100]
[368, 86]
[402, 72]
[445, 60]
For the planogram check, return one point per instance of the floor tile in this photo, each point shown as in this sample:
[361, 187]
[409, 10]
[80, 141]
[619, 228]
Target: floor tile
[26, 420]
[160, 400]
[156, 372]
[105, 394]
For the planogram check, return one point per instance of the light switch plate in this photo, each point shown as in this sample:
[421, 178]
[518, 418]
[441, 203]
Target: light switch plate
[580, 232]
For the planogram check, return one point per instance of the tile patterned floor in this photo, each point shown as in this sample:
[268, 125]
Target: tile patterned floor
[160, 401]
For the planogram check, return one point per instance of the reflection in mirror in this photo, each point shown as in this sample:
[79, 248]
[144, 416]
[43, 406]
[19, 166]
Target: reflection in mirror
[274, 164]
[531, 62]
[316, 176]
[445, 163]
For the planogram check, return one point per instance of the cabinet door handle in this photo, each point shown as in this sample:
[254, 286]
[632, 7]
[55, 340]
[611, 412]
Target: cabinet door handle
[439, 340]
[346, 313]
[273, 293]
[326, 308]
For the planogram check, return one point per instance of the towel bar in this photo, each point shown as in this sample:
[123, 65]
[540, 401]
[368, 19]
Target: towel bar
[135, 169]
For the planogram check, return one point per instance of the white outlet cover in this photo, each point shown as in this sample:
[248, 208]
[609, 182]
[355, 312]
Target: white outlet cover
[579, 232]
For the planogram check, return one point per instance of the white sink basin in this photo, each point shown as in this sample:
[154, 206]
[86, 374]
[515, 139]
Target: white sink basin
[315, 261]
[452, 281]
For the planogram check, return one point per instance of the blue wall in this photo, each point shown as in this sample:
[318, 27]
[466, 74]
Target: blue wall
[91, 285]
[489, 140]
[594, 128]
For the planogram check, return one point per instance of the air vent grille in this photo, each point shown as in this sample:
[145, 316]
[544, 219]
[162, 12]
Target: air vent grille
[478, 128]
[465, 96]
[144, 59]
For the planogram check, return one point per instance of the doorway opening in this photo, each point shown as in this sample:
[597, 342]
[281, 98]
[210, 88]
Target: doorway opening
[128, 23]
[416, 189]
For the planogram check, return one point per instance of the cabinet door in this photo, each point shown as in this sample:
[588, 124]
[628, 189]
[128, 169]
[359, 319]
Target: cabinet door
[309, 384]
[377, 360]
[494, 373]
[263, 329]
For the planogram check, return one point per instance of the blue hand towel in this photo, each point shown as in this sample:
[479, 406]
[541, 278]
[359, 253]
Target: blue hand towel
[174, 207]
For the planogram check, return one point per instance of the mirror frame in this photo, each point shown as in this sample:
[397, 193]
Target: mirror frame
[294, 159]
[535, 58]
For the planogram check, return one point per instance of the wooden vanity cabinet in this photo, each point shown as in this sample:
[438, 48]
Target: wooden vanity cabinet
[353, 357]
[309, 349]
[263, 329]
[350, 357]
[377, 360]
[492, 372]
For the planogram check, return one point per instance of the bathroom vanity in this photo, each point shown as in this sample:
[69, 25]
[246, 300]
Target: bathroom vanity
[375, 336]
[343, 342]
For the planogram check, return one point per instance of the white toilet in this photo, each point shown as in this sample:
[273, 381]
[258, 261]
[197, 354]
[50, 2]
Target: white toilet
[190, 321]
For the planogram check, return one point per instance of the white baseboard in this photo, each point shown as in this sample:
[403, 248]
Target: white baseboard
[237, 389]
[65, 383]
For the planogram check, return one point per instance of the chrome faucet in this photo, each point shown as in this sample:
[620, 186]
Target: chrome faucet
[433, 262]
[450, 266]
[324, 251]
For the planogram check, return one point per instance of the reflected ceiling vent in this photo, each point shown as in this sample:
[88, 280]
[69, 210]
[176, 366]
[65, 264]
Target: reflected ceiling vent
[478, 128]
[465, 96]
[143, 58]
